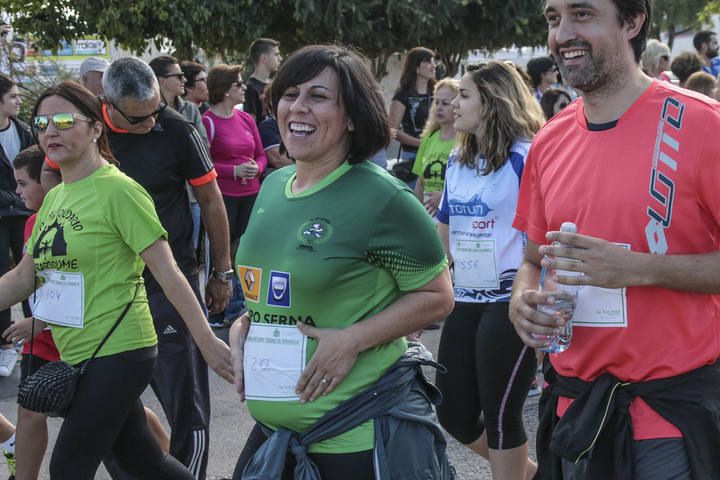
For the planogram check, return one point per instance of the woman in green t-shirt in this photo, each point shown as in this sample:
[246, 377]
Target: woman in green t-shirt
[339, 262]
[94, 234]
[438, 140]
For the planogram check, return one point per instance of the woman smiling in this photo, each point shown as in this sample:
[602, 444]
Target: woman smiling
[352, 258]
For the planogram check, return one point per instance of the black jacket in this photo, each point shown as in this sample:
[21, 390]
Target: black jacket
[10, 202]
[597, 425]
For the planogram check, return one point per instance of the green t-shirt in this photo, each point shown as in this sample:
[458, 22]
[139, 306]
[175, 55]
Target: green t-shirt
[97, 226]
[431, 161]
[347, 248]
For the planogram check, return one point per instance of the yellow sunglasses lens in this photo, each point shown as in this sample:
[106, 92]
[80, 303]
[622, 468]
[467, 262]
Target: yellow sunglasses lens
[63, 121]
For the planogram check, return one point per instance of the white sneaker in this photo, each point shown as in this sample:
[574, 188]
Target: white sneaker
[8, 359]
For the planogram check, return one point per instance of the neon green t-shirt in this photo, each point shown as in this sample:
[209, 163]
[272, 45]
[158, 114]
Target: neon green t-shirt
[431, 161]
[97, 227]
[344, 249]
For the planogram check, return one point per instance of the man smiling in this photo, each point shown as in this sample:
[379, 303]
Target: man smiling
[635, 394]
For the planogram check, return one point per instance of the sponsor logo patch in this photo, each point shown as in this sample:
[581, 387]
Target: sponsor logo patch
[278, 294]
[250, 279]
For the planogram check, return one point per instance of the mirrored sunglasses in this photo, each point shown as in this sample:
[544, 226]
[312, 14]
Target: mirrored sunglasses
[62, 121]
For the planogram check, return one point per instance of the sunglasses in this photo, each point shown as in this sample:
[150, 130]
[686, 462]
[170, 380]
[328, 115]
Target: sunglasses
[665, 57]
[62, 121]
[134, 120]
[179, 76]
[239, 84]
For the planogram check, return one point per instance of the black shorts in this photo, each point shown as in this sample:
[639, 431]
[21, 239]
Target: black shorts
[25, 370]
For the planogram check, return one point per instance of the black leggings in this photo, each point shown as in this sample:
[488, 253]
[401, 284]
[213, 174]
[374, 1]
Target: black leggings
[488, 376]
[107, 415]
[332, 466]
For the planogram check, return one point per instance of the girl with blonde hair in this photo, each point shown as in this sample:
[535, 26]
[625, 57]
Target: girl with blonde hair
[437, 140]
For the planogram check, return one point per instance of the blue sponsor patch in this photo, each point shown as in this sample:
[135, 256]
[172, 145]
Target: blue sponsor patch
[279, 289]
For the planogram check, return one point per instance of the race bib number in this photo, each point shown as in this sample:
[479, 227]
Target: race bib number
[274, 359]
[475, 267]
[601, 307]
[61, 299]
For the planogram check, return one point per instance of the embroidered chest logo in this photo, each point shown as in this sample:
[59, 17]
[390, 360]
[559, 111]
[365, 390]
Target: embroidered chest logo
[315, 231]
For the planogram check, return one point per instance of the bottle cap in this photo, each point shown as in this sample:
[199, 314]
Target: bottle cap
[569, 227]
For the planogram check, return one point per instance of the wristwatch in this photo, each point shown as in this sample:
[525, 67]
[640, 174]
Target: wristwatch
[222, 276]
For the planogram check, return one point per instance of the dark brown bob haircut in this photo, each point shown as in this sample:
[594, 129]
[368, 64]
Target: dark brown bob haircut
[359, 92]
[87, 104]
[219, 80]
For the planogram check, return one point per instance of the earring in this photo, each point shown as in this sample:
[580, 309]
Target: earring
[95, 140]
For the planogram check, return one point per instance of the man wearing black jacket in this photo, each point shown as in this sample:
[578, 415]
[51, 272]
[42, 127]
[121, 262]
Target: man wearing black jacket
[14, 137]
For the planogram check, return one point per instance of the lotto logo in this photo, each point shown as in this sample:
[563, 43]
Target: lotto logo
[250, 279]
[278, 294]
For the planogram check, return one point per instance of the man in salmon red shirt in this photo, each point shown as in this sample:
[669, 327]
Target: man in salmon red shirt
[634, 164]
[160, 150]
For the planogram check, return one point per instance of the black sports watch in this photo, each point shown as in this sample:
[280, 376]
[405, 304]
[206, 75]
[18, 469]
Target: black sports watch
[222, 276]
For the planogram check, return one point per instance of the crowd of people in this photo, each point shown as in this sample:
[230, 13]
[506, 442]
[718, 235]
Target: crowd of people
[327, 267]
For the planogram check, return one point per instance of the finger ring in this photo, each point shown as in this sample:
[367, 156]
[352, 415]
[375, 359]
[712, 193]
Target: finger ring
[324, 380]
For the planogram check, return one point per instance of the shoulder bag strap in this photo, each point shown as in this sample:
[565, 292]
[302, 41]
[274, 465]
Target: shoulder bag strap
[117, 322]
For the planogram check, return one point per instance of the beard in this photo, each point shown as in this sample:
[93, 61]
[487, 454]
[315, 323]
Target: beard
[596, 73]
[712, 53]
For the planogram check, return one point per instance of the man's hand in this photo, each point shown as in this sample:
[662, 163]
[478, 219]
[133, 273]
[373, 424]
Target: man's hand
[332, 361]
[602, 263]
[217, 295]
[533, 326]
[238, 334]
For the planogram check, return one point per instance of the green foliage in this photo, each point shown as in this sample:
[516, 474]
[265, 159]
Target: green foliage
[226, 27]
[672, 17]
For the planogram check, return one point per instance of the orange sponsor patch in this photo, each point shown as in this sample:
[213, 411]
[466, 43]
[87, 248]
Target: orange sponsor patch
[250, 279]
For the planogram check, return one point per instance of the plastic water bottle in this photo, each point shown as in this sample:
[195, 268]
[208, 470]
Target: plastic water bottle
[565, 297]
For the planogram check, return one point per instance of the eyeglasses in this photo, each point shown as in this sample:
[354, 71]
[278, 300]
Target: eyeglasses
[134, 120]
[239, 84]
[62, 121]
[665, 57]
[179, 76]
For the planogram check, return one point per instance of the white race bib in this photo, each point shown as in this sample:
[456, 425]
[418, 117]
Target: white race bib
[601, 307]
[475, 267]
[61, 299]
[273, 361]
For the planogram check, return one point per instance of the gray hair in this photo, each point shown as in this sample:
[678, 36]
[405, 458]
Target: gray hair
[129, 78]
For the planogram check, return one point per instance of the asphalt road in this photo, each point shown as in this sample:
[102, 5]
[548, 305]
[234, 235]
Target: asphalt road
[231, 423]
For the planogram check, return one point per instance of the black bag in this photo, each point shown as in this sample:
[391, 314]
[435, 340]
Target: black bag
[402, 168]
[51, 389]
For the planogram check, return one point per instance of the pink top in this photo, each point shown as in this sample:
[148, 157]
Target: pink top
[233, 141]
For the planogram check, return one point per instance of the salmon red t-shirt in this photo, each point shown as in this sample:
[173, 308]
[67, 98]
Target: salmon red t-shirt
[650, 183]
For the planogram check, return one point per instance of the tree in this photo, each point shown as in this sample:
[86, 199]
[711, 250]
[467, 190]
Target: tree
[674, 17]
[226, 27]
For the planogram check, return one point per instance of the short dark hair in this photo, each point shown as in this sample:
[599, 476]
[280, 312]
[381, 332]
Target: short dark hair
[359, 92]
[220, 79]
[191, 70]
[261, 46]
[161, 65]
[630, 8]
[87, 103]
[685, 64]
[547, 102]
[31, 159]
[6, 83]
[537, 66]
[701, 37]
[701, 82]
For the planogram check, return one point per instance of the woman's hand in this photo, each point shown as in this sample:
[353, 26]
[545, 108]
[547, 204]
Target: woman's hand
[246, 170]
[333, 359]
[217, 355]
[432, 202]
[238, 334]
[21, 330]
